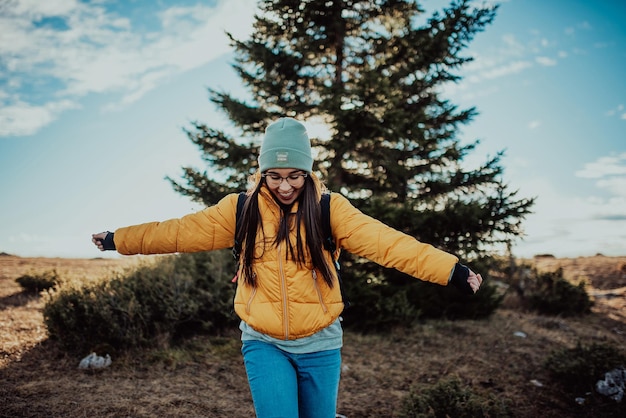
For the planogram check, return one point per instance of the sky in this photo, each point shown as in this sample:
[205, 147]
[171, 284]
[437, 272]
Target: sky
[95, 97]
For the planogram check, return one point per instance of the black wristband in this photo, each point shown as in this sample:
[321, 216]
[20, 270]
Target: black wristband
[459, 279]
[107, 242]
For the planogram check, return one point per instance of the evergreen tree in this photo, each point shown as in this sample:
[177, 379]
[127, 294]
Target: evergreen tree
[372, 75]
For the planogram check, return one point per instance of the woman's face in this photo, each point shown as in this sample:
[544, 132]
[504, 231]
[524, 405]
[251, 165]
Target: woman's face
[286, 184]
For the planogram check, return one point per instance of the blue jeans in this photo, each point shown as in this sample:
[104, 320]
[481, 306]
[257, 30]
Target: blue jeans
[287, 385]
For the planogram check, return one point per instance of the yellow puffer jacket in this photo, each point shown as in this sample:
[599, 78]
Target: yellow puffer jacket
[289, 301]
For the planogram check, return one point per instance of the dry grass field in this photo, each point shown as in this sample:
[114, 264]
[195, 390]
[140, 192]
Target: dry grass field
[206, 378]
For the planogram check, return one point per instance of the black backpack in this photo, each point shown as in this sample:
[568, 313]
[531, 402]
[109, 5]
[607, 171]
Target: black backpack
[329, 242]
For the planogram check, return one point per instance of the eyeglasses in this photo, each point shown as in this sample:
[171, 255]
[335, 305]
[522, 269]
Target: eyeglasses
[294, 180]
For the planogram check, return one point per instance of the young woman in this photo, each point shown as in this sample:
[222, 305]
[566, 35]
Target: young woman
[288, 295]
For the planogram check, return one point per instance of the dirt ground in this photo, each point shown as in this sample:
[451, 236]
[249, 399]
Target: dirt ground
[206, 378]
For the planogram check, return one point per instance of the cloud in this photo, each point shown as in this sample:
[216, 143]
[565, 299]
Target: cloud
[488, 70]
[534, 124]
[571, 226]
[616, 217]
[69, 49]
[610, 173]
[604, 166]
[508, 69]
[615, 185]
[545, 61]
[619, 110]
[510, 57]
[512, 46]
[570, 31]
[22, 118]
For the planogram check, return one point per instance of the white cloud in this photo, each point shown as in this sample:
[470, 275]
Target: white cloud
[504, 70]
[510, 57]
[512, 46]
[570, 31]
[604, 166]
[37, 8]
[568, 225]
[24, 119]
[610, 173]
[545, 61]
[534, 124]
[97, 51]
[616, 111]
[616, 186]
[571, 226]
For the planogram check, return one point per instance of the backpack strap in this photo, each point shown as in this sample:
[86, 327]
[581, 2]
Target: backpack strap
[329, 243]
[241, 200]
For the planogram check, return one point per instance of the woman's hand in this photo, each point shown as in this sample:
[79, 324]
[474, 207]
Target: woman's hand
[98, 240]
[474, 280]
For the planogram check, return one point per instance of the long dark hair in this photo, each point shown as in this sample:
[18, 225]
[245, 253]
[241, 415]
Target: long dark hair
[308, 214]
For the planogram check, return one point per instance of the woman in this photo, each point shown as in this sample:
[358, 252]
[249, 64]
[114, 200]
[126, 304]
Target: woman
[288, 295]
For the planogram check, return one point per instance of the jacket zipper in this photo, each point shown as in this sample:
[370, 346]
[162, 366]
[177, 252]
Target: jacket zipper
[250, 300]
[283, 286]
[319, 292]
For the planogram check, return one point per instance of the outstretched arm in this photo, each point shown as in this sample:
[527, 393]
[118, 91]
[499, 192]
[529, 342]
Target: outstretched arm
[367, 237]
[209, 229]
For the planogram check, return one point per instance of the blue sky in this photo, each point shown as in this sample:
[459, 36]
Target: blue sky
[94, 97]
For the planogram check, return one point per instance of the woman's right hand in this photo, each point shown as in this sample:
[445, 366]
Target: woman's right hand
[98, 240]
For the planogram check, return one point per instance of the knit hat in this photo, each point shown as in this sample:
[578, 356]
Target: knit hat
[286, 145]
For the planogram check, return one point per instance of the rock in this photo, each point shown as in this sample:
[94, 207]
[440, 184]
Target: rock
[613, 385]
[94, 361]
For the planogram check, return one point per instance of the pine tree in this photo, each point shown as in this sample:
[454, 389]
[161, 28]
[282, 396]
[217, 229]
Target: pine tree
[372, 75]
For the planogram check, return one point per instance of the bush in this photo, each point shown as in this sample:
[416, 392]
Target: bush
[37, 282]
[549, 293]
[578, 369]
[151, 306]
[448, 399]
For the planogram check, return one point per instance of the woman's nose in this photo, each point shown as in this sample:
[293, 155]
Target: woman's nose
[284, 185]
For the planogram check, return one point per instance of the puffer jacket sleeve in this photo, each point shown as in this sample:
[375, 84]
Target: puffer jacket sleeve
[367, 237]
[210, 229]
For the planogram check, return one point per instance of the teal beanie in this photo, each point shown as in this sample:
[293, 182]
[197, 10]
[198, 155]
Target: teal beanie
[286, 145]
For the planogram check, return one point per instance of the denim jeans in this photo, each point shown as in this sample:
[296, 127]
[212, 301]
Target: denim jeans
[287, 385]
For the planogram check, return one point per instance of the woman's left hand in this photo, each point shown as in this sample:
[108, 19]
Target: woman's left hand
[474, 280]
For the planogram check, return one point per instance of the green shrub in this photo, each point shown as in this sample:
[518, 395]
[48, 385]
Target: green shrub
[448, 399]
[37, 282]
[578, 369]
[549, 293]
[151, 306]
